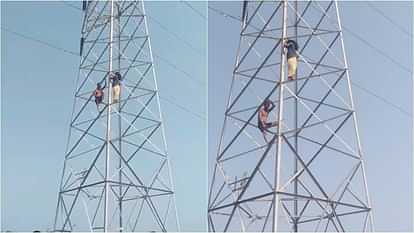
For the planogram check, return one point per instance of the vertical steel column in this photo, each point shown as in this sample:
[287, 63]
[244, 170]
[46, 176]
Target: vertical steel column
[108, 119]
[354, 117]
[119, 119]
[279, 121]
[295, 165]
[177, 220]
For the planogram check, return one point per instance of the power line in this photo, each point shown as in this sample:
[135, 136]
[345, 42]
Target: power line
[402, 110]
[373, 47]
[224, 14]
[401, 28]
[188, 75]
[175, 35]
[166, 61]
[174, 66]
[71, 5]
[194, 9]
[183, 108]
[77, 55]
[178, 37]
[40, 42]
[366, 90]
[379, 51]
[367, 43]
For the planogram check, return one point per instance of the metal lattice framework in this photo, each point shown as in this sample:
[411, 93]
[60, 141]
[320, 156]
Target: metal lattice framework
[116, 174]
[310, 176]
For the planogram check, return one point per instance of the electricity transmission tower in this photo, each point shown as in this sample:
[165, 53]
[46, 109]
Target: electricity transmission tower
[310, 176]
[116, 174]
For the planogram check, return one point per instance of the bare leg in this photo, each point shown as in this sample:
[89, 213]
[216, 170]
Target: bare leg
[274, 124]
[97, 105]
[264, 136]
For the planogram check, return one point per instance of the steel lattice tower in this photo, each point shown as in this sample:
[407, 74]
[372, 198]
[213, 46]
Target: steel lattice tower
[311, 175]
[116, 174]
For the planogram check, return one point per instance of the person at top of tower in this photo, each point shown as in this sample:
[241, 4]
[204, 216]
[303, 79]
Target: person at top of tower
[263, 115]
[99, 94]
[292, 57]
[116, 79]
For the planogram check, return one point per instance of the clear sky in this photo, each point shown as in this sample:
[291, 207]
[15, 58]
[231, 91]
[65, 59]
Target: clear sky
[37, 94]
[37, 85]
[386, 133]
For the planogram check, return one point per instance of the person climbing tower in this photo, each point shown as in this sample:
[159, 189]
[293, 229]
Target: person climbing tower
[99, 94]
[292, 58]
[116, 79]
[263, 115]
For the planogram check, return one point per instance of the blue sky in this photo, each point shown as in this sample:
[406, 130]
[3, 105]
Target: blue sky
[37, 95]
[37, 85]
[386, 133]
